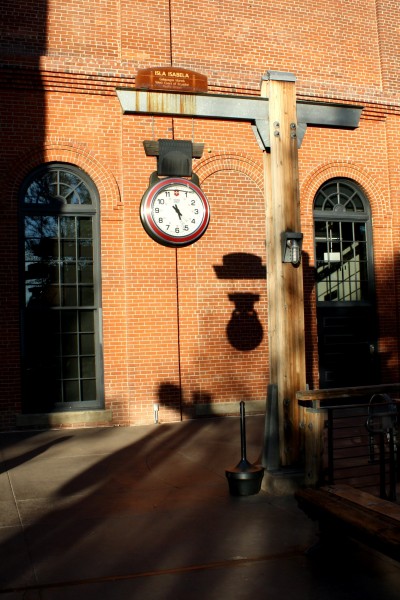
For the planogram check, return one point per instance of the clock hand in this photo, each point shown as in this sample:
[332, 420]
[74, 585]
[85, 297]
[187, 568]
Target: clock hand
[176, 209]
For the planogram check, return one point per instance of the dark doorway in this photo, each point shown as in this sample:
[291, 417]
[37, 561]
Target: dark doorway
[347, 336]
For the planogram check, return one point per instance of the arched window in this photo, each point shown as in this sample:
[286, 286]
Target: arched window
[341, 217]
[346, 315]
[60, 291]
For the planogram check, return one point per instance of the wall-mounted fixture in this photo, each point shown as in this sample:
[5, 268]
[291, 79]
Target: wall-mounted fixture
[291, 247]
[175, 158]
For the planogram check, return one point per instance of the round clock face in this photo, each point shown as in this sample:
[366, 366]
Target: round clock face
[175, 212]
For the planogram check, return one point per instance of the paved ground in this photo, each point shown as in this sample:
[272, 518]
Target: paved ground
[145, 513]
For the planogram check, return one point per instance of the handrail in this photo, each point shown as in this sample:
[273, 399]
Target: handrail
[313, 398]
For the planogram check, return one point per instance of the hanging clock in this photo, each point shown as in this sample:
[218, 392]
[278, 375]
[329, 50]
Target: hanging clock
[174, 211]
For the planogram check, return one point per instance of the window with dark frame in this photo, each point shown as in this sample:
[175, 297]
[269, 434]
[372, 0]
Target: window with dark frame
[341, 215]
[60, 290]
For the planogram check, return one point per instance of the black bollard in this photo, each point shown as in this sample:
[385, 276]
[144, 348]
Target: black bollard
[244, 479]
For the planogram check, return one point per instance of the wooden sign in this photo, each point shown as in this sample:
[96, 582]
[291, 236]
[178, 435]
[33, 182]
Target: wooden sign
[172, 79]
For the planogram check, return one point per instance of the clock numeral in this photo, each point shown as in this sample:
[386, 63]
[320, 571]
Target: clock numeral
[161, 220]
[193, 221]
[196, 211]
[161, 200]
[193, 202]
[176, 229]
[186, 228]
[157, 210]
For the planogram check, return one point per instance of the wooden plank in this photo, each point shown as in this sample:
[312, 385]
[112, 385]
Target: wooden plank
[366, 500]
[323, 504]
[360, 516]
[346, 392]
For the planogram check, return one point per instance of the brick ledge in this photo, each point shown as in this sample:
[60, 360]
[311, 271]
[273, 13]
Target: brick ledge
[229, 408]
[60, 419]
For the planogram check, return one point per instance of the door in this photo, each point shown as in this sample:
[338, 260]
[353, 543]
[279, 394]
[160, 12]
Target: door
[346, 316]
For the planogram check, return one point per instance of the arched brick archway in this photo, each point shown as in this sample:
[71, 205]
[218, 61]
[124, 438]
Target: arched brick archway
[74, 154]
[235, 162]
[331, 170]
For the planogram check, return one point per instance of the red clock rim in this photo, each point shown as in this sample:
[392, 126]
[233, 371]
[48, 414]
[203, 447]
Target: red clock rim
[158, 232]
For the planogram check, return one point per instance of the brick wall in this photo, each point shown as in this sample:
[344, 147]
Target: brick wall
[171, 325]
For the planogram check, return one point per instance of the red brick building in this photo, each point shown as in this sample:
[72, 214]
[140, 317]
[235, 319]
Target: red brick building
[100, 324]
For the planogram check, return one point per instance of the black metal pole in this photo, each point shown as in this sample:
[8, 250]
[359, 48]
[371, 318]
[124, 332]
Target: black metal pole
[392, 467]
[331, 468]
[243, 431]
[382, 466]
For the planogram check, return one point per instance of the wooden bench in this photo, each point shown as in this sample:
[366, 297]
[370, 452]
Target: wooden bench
[342, 510]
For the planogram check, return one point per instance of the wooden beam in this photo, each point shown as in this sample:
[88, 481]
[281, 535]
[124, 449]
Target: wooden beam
[312, 397]
[284, 280]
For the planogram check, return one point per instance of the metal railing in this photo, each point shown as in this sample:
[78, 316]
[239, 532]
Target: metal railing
[361, 444]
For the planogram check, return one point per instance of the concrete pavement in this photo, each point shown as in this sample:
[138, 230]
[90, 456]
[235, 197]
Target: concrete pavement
[145, 513]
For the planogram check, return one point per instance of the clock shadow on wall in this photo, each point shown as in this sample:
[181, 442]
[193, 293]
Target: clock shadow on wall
[244, 330]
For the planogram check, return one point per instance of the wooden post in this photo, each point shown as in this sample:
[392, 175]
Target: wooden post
[284, 280]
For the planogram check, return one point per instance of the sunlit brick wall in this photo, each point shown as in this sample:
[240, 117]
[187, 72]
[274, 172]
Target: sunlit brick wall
[165, 313]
